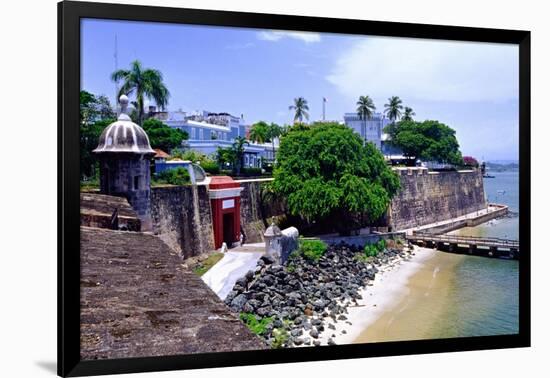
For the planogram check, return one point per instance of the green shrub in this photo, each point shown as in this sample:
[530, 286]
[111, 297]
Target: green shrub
[312, 249]
[259, 327]
[280, 337]
[372, 250]
[210, 166]
[177, 176]
[251, 171]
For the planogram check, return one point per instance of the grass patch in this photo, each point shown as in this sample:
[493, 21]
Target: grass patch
[312, 249]
[259, 327]
[372, 250]
[204, 266]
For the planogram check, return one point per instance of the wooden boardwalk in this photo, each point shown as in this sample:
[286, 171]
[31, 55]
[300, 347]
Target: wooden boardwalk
[490, 247]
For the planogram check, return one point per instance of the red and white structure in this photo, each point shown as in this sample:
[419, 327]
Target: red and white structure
[225, 199]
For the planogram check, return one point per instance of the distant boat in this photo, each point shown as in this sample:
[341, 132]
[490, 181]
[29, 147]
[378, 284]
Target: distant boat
[488, 176]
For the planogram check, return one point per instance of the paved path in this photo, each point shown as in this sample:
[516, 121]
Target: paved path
[235, 263]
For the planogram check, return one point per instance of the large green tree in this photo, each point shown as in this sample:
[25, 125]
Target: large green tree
[365, 110]
[95, 114]
[274, 131]
[327, 172]
[300, 108]
[238, 148]
[163, 136]
[408, 114]
[258, 132]
[143, 83]
[393, 108]
[428, 140]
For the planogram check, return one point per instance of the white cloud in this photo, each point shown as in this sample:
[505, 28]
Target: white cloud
[427, 70]
[275, 35]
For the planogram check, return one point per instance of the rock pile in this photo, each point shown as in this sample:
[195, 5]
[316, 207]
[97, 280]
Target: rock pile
[302, 295]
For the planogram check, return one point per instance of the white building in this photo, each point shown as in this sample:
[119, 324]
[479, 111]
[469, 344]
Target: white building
[207, 131]
[370, 129]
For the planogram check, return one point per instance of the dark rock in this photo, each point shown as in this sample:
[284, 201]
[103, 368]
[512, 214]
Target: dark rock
[249, 275]
[267, 260]
[331, 342]
[238, 302]
[264, 311]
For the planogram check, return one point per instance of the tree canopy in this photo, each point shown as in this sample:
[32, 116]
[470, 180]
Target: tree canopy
[393, 108]
[325, 171]
[95, 114]
[300, 108]
[143, 82]
[428, 140]
[163, 136]
[259, 132]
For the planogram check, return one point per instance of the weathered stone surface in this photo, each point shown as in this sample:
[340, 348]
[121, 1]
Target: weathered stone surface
[182, 218]
[138, 301]
[437, 196]
[96, 211]
[254, 210]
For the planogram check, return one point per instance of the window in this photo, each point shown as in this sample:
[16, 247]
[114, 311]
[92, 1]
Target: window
[192, 133]
[136, 182]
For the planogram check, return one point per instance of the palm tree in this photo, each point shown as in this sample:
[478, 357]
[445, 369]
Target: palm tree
[238, 149]
[300, 108]
[365, 109]
[144, 83]
[274, 131]
[393, 108]
[258, 132]
[408, 114]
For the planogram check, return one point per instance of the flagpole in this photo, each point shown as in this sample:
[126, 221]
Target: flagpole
[324, 102]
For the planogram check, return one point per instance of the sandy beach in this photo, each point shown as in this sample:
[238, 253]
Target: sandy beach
[383, 300]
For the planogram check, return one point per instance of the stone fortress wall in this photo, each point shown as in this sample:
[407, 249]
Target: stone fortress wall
[429, 197]
[182, 216]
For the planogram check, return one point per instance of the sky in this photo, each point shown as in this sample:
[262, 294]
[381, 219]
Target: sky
[470, 86]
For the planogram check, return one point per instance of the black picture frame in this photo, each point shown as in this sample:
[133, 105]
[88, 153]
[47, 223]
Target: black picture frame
[69, 15]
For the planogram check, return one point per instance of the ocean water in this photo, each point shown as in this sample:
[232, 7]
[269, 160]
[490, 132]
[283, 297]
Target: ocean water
[456, 295]
[483, 297]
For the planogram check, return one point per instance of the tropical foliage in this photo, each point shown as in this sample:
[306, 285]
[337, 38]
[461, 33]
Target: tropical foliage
[470, 161]
[312, 249]
[207, 163]
[325, 171]
[365, 110]
[143, 83]
[301, 109]
[163, 136]
[95, 114]
[232, 156]
[428, 140]
[393, 108]
[177, 176]
[408, 114]
[259, 132]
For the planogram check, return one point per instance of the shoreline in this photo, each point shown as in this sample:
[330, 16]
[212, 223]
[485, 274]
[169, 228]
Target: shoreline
[379, 297]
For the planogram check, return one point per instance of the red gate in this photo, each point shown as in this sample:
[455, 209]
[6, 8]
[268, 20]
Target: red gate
[225, 199]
